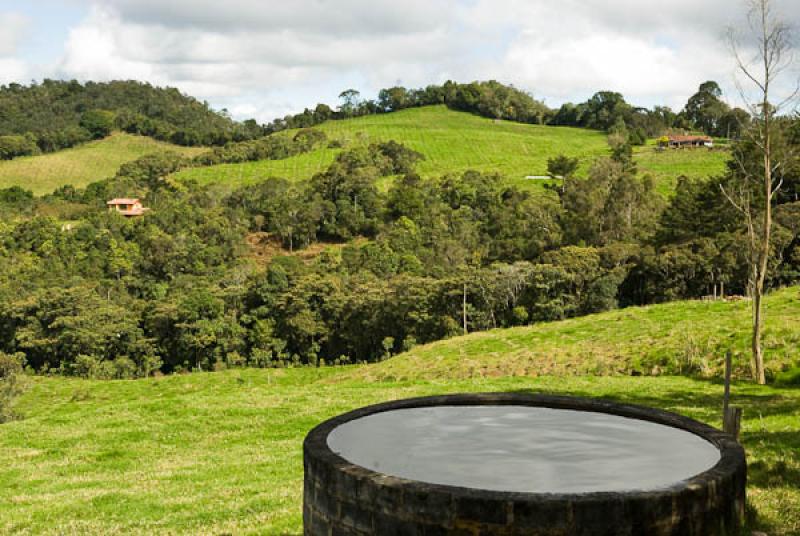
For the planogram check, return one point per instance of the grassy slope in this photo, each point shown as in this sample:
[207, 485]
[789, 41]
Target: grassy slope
[81, 165]
[693, 334]
[221, 452]
[456, 141]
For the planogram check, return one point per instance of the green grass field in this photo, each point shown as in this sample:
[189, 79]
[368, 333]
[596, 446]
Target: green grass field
[693, 336]
[220, 453]
[81, 165]
[453, 142]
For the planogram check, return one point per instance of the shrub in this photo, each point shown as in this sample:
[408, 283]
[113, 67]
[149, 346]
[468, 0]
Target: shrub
[13, 146]
[308, 138]
[789, 378]
[10, 383]
[99, 123]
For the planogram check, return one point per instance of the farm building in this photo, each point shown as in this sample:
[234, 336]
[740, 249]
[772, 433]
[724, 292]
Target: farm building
[127, 207]
[679, 142]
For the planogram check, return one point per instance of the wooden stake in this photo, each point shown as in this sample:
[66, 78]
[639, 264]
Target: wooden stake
[731, 416]
[732, 422]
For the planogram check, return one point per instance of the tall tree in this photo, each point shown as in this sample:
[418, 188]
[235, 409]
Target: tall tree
[705, 109]
[770, 38]
[350, 99]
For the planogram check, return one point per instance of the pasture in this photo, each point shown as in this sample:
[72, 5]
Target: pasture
[83, 164]
[453, 142]
[221, 452]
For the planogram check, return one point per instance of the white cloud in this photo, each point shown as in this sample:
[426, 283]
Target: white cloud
[103, 48]
[268, 58]
[12, 70]
[323, 17]
[12, 31]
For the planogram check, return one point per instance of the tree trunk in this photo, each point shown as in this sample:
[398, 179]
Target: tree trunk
[763, 256]
[758, 357]
[766, 228]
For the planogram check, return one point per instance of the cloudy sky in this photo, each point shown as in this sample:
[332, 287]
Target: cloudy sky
[265, 58]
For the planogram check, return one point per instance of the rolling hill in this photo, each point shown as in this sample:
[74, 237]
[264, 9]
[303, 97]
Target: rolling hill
[81, 165]
[678, 337]
[453, 142]
[221, 453]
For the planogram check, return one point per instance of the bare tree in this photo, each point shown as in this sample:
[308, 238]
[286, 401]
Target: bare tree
[763, 54]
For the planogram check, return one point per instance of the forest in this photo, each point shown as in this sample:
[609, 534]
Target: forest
[55, 114]
[705, 111]
[424, 259]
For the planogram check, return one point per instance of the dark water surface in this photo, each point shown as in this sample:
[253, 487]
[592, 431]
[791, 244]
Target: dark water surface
[523, 449]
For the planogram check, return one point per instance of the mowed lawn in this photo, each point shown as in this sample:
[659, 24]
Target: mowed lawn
[81, 165]
[221, 453]
[453, 142]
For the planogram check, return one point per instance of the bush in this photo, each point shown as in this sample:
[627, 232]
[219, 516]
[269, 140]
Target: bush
[308, 138]
[789, 378]
[121, 368]
[14, 146]
[10, 383]
[99, 123]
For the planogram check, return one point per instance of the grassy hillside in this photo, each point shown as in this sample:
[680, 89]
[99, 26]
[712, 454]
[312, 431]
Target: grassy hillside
[691, 337]
[220, 453]
[81, 165]
[456, 141]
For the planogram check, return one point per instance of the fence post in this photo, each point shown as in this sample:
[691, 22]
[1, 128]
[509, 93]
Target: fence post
[731, 416]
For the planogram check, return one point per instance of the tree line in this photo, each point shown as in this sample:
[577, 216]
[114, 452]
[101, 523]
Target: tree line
[54, 115]
[608, 111]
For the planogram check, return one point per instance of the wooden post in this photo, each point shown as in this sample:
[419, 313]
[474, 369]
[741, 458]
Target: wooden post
[732, 422]
[731, 416]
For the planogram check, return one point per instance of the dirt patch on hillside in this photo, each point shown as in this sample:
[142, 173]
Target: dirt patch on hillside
[265, 246]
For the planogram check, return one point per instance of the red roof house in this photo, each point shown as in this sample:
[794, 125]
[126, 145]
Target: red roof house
[678, 141]
[127, 206]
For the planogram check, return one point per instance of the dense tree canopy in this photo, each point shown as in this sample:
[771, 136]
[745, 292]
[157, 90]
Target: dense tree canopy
[366, 258]
[56, 114]
[428, 258]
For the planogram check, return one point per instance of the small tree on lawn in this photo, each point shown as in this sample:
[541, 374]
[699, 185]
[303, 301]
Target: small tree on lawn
[763, 55]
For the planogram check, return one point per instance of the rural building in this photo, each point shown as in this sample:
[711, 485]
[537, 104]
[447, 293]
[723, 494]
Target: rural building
[679, 142]
[127, 207]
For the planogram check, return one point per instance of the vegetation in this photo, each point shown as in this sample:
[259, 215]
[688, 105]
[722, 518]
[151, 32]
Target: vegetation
[424, 260]
[433, 231]
[488, 99]
[761, 176]
[10, 383]
[56, 114]
[685, 337]
[221, 453]
[454, 142]
[422, 252]
[81, 165]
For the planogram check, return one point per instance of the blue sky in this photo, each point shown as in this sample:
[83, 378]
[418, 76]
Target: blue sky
[47, 26]
[268, 58]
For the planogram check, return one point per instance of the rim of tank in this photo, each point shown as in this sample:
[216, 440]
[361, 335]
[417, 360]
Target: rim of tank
[732, 455]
